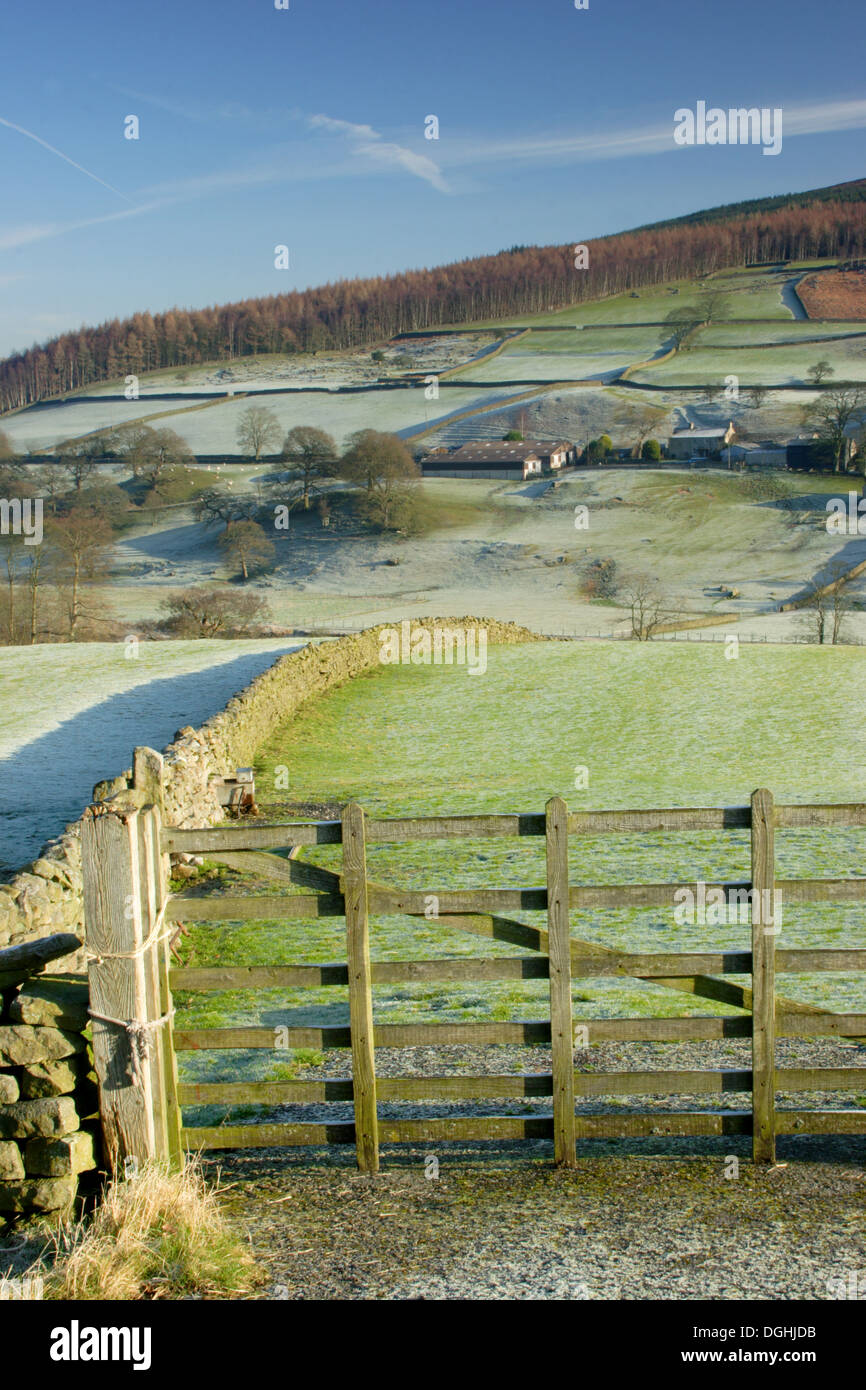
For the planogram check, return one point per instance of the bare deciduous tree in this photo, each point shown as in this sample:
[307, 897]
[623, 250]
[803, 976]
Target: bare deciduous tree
[246, 544]
[312, 453]
[258, 429]
[648, 607]
[826, 606]
[821, 371]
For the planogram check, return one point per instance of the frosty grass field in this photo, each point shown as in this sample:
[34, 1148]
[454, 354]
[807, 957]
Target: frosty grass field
[212, 429]
[654, 726]
[71, 715]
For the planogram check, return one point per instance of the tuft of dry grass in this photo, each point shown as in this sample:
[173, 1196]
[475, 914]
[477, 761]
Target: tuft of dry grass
[158, 1234]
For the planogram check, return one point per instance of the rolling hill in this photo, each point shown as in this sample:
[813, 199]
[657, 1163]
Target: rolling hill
[823, 223]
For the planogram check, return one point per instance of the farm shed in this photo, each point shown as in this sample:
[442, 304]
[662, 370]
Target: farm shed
[494, 460]
[767, 454]
[699, 443]
[809, 452]
[499, 459]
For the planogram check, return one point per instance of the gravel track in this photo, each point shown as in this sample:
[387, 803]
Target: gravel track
[639, 1219]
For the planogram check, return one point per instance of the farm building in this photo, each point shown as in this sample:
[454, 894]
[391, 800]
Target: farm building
[808, 452]
[692, 443]
[555, 455]
[498, 459]
[767, 454]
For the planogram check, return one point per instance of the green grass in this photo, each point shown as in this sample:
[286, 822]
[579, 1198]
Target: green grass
[747, 295]
[655, 726]
[784, 364]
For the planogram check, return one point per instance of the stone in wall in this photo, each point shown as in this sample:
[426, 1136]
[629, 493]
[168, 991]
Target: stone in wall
[52, 1003]
[39, 1119]
[21, 1044]
[37, 1194]
[60, 1158]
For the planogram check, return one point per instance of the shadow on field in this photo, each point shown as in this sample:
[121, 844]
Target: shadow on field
[49, 781]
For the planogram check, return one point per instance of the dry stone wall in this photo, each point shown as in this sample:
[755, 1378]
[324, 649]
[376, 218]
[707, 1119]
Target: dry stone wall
[48, 1098]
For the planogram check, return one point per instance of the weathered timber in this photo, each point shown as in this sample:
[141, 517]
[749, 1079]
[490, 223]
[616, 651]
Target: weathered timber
[509, 1086]
[360, 991]
[523, 1031]
[491, 1128]
[117, 914]
[245, 837]
[195, 1039]
[223, 908]
[214, 978]
[820, 1025]
[157, 869]
[18, 963]
[558, 931]
[821, 1121]
[763, 979]
[268, 1136]
[821, 1078]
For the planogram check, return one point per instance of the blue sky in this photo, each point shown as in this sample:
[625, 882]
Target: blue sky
[305, 127]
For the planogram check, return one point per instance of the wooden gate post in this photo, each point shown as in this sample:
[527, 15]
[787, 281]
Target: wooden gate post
[354, 886]
[763, 980]
[124, 891]
[561, 1025]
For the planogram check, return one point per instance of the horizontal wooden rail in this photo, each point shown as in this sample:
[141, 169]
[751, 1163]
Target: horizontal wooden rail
[820, 1078]
[520, 1086]
[253, 908]
[499, 1128]
[268, 1136]
[806, 962]
[687, 818]
[821, 1121]
[594, 897]
[644, 964]
[463, 969]
[386, 1035]
[532, 1032]
[241, 837]
[490, 1128]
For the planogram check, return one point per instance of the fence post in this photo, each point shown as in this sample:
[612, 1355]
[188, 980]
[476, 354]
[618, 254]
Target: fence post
[123, 930]
[763, 979]
[561, 1028]
[354, 888]
[148, 780]
[156, 870]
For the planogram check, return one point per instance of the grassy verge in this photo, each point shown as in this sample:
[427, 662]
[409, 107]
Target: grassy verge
[156, 1235]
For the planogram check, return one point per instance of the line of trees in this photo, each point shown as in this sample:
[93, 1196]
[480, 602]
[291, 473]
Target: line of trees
[355, 313]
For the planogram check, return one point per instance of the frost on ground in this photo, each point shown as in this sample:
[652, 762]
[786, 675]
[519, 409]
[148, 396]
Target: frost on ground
[72, 715]
[43, 426]
[651, 1221]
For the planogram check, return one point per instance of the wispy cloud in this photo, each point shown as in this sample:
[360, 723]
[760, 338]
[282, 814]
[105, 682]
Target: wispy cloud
[29, 232]
[60, 155]
[368, 143]
[819, 118]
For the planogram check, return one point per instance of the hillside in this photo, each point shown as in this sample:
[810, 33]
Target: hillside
[853, 191]
[528, 280]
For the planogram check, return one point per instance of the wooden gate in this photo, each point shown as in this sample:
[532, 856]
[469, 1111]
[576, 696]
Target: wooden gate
[136, 1036]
